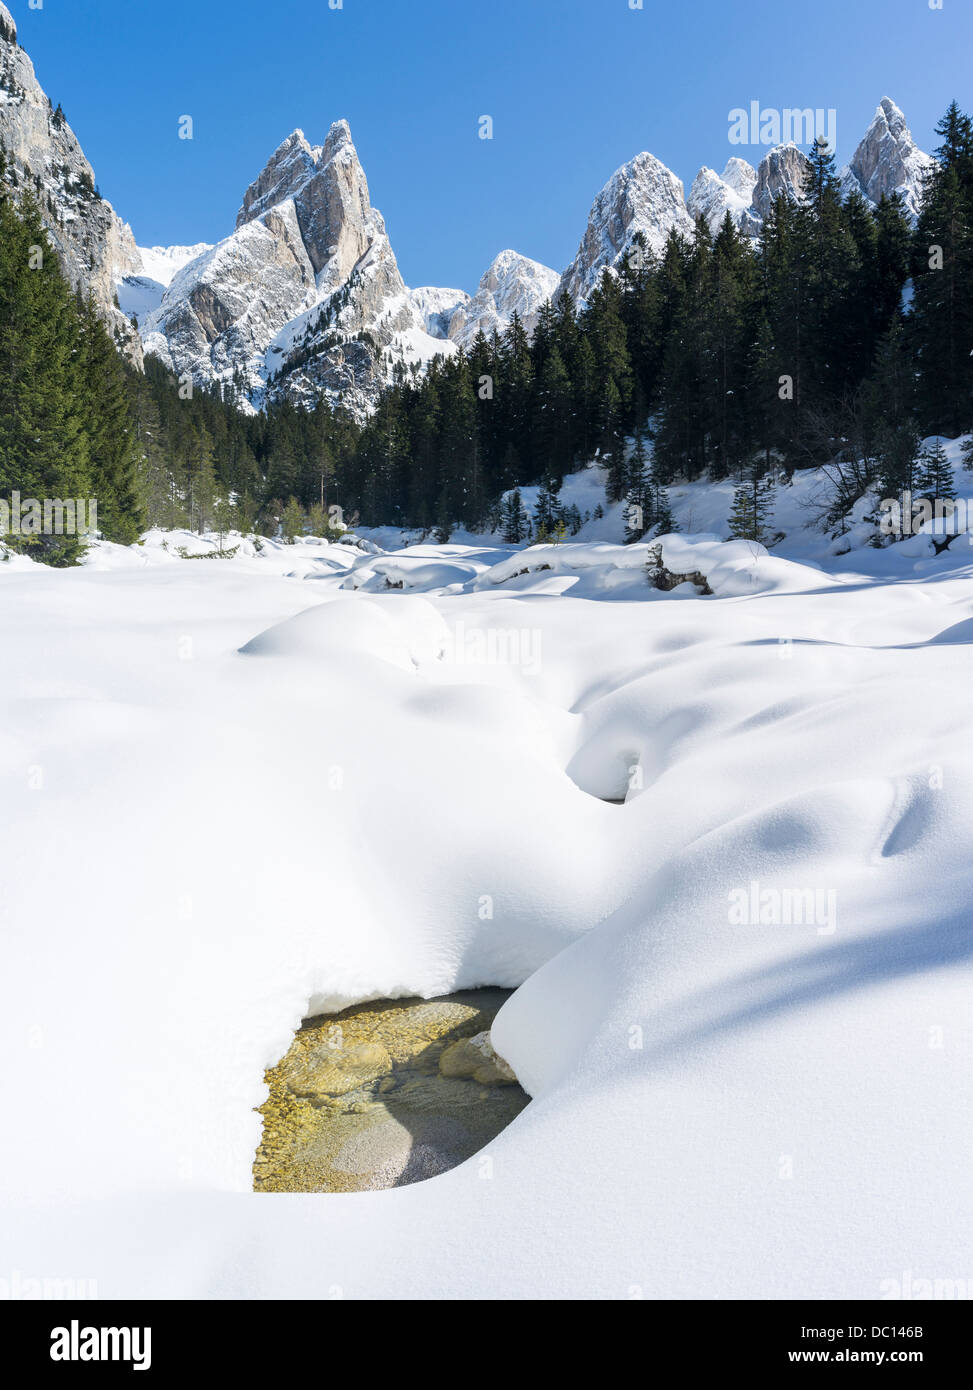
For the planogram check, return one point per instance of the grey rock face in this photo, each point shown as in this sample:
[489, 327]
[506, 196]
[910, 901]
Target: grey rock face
[783, 170]
[287, 170]
[94, 246]
[305, 296]
[888, 161]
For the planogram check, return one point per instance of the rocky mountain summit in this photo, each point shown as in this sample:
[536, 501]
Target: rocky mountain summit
[95, 247]
[512, 284]
[714, 195]
[645, 197]
[305, 296]
[302, 296]
[642, 196]
[888, 161]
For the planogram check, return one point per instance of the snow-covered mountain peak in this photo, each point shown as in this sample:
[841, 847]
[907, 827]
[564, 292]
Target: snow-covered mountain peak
[288, 169]
[784, 170]
[740, 176]
[888, 161]
[436, 306]
[338, 136]
[642, 196]
[509, 266]
[163, 263]
[714, 195]
[511, 284]
[305, 295]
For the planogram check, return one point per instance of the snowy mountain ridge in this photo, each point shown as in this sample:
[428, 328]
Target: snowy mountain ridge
[645, 197]
[304, 297]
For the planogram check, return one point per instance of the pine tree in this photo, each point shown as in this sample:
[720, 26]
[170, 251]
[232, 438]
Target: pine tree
[44, 401]
[639, 510]
[941, 321]
[934, 476]
[753, 502]
[662, 517]
[553, 415]
[112, 436]
[317, 520]
[199, 479]
[515, 522]
[293, 521]
[548, 512]
[893, 438]
[224, 519]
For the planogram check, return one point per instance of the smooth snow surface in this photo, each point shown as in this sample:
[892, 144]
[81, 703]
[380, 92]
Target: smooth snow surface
[239, 791]
[163, 263]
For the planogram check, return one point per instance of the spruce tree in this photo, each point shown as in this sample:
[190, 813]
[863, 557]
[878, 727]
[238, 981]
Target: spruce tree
[293, 521]
[934, 475]
[639, 511]
[941, 321]
[753, 502]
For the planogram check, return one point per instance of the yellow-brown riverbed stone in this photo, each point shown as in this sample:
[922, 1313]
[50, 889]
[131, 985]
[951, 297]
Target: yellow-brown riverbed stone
[385, 1094]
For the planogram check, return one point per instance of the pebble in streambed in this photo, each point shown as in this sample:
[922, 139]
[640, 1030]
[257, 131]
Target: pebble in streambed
[385, 1094]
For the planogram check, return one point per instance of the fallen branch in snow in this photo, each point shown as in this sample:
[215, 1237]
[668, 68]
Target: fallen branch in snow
[666, 579]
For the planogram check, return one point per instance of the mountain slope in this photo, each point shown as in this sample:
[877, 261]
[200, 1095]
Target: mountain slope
[94, 246]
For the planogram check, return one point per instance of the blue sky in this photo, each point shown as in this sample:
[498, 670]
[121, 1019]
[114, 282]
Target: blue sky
[575, 88]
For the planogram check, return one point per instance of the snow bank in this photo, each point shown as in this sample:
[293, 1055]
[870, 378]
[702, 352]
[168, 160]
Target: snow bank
[236, 791]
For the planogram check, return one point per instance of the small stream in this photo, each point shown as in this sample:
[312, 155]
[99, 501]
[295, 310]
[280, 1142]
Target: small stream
[385, 1094]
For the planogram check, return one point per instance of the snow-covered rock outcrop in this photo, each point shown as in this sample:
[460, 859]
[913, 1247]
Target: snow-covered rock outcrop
[512, 284]
[436, 307]
[642, 196]
[94, 246]
[888, 161]
[714, 195]
[141, 294]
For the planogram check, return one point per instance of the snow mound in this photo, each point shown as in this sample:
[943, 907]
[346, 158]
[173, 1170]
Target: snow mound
[237, 792]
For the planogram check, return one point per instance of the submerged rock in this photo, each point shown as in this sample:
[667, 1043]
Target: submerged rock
[385, 1094]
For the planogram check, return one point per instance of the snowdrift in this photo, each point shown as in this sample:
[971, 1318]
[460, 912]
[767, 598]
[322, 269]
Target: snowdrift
[237, 792]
